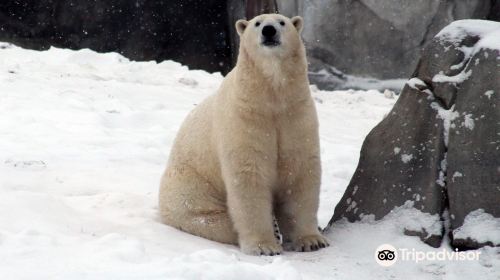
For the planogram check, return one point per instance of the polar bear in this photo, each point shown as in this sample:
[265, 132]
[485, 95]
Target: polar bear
[251, 150]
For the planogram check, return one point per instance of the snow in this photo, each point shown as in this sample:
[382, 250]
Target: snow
[372, 83]
[456, 175]
[468, 121]
[481, 226]
[345, 81]
[457, 79]
[407, 217]
[84, 141]
[448, 116]
[443, 165]
[489, 93]
[458, 30]
[406, 158]
[414, 82]
[389, 93]
[489, 38]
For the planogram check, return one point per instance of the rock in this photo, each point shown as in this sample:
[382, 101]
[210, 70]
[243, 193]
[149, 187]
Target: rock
[439, 147]
[474, 139]
[400, 161]
[351, 44]
[373, 38]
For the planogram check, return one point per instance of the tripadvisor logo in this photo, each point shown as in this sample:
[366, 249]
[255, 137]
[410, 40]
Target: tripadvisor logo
[387, 255]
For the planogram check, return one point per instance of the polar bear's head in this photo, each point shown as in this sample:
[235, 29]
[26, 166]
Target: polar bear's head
[270, 35]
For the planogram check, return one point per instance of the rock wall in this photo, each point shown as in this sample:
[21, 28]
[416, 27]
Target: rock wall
[373, 38]
[380, 39]
[438, 150]
[192, 32]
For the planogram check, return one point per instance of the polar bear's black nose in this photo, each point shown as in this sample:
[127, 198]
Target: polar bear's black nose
[268, 31]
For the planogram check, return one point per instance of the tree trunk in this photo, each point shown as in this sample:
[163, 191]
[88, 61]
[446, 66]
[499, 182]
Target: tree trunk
[257, 7]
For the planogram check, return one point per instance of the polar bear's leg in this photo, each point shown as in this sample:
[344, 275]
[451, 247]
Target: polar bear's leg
[213, 225]
[249, 199]
[188, 202]
[296, 211]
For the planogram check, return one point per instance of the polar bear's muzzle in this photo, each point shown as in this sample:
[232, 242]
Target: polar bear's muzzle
[270, 36]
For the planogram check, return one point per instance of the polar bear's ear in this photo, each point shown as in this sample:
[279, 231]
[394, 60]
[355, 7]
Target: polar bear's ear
[298, 22]
[241, 25]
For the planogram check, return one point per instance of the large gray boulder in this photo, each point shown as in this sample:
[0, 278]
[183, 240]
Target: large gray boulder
[474, 142]
[438, 150]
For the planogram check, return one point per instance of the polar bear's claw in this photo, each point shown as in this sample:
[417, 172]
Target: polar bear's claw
[263, 249]
[308, 243]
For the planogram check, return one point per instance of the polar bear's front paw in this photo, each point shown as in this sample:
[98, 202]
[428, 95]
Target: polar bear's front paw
[307, 243]
[267, 248]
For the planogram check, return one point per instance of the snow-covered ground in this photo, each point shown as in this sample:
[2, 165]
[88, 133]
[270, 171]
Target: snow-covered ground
[84, 138]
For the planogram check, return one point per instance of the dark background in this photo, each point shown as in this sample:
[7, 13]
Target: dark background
[191, 32]
[368, 38]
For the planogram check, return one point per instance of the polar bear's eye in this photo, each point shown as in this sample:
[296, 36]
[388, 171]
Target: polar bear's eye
[282, 23]
[257, 23]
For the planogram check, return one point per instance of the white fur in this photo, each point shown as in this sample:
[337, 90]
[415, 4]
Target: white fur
[251, 151]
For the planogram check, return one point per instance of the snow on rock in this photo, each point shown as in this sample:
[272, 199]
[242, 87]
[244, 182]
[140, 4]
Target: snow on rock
[458, 30]
[448, 116]
[441, 180]
[489, 38]
[467, 51]
[480, 226]
[84, 140]
[457, 79]
[456, 174]
[489, 93]
[407, 217]
[468, 121]
[416, 83]
[442, 172]
[406, 158]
